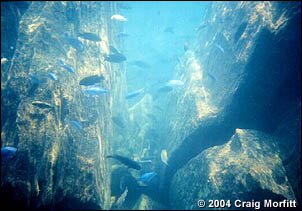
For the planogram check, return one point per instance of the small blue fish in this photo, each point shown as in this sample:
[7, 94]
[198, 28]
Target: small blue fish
[34, 79]
[66, 66]
[147, 177]
[7, 153]
[134, 93]
[52, 76]
[69, 68]
[76, 124]
[95, 91]
[220, 48]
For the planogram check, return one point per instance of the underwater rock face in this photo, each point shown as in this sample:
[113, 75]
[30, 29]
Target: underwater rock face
[248, 84]
[289, 142]
[146, 203]
[57, 166]
[247, 167]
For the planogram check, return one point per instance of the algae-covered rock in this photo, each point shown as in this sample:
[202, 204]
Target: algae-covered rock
[57, 166]
[146, 203]
[246, 167]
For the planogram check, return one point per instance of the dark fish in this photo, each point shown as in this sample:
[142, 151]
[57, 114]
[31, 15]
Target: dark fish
[122, 35]
[113, 50]
[202, 26]
[42, 104]
[212, 77]
[169, 30]
[74, 42]
[118, 121]
[141, 64]
[7, 153]
[34, 79]
[91, 80]
[90, 36]
[165, 89]
[134, 93]
[115, 58]
[126, 161]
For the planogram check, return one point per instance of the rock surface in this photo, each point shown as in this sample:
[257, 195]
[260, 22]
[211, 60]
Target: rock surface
[242, 73]
[247, 167]
[57, 165]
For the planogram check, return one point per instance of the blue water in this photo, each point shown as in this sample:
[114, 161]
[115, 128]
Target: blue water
[157, 118]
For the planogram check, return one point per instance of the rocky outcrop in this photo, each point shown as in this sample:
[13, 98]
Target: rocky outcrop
[242, 73]
[289, 142]
[247, 167]
[58, 166]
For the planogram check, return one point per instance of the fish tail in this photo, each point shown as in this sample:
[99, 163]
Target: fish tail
[109, 156]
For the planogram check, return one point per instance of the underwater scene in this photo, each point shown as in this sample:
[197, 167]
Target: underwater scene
[114, 105]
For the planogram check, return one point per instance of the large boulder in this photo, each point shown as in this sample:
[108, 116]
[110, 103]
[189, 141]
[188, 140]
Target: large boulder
[247, 167]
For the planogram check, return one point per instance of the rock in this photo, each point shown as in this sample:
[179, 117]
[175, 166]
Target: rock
[249, 85]
[288, 138]
[55, 167]
[146, 203]
[247, 167]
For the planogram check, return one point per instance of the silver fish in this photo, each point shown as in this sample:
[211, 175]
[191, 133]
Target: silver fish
[119, 202]
[4, 60]
[164, 156]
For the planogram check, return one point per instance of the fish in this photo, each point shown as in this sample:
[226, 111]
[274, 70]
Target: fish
[165, 89]
[141, 64]
[113, 50]
[115, 58]
[66, 66]
[4, 61]
[90, 36]
[219, 47]
[119, 202]
[7, 153]
[118, 17]
[91, 80]
[145, 161]
[76, 124]
[34, 79]
[95, 91]
[126, 161]
[201, 26]
[52, 76]
[122, 35]
[164, 156]
[134, 93]
[169, 30]
[147, 177]
[124, 6]
[74, 42]
[212, 77]
[118, 121]
[174, 83]
[42, 104]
